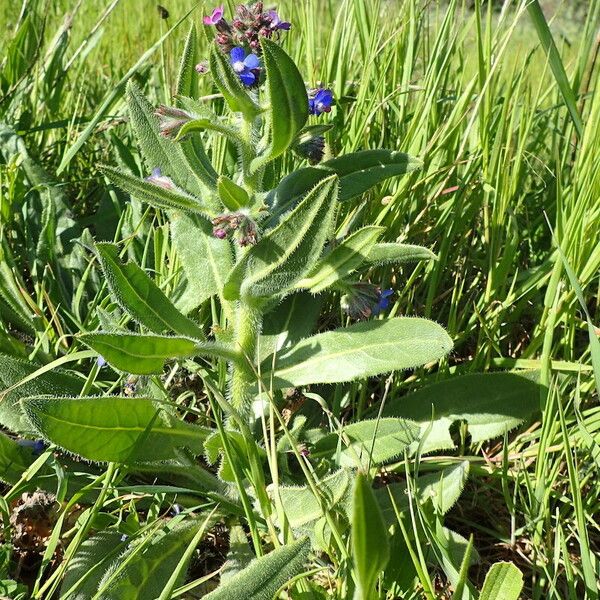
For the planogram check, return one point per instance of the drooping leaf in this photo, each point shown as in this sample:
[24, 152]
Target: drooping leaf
[146, 354]
[112, 428]
[384, 253]
[368, 442]
[370, 544]
[14, 370]
[232, 195]
[491, 404]
[302, 507]
[230, 86]
[155, 195]
[504, 581]
[206, 260]
[342, 260]
[286, 253]
[442, 488]
[140, 296]
[288, 100]
[357, 171]
[361, 350]
[265, 575]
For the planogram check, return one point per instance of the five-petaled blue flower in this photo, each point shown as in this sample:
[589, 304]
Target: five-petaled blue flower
[383, 301]
[320, 101]
[244, 65]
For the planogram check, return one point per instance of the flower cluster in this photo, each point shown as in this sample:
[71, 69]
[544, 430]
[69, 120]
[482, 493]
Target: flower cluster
[236, 224]
[364, 300]
[249, 24]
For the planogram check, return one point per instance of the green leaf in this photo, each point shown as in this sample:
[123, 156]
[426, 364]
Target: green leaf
[361, 350]
[139, 354]
[442, 488]
[491, 404]
[153, 194]
[385, 253]
[232, 195]
[14, 370]
[112, 428]
[140, 296]
[288, 110]
[230, 86]
[89, 563]
[263, 577]
[368, 442]
[504, 581]
[14, 460]
[205, 259]
[342, 260]
[370, 544]
[239, 554]
[144, 574]
[357, 171]
[286, 253]
[186, 80]
[302, 507]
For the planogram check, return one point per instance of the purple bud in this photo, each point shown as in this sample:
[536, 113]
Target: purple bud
[214, 17]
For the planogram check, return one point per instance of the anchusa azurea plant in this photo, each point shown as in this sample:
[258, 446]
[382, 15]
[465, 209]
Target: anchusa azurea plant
[258, 256]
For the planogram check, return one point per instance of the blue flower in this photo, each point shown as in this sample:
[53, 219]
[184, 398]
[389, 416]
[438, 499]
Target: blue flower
[320, 101]
[244, 65]
[383, 301]
[36, 446]
[101, 361]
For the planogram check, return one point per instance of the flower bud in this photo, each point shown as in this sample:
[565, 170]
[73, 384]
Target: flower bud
[171, 120]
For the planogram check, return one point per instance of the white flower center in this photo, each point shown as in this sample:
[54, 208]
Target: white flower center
[239, 66]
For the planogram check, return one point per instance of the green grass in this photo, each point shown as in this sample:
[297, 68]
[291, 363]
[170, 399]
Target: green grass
[504, 167]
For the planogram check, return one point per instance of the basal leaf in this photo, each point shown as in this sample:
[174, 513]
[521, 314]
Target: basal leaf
[286, 253]
[370, 544]
[358, 172]
[230, 86]
[111, 428]
[261, 579]
[288, 100]
[384, 253]
[141, 297]
[364, 443]
[491, 404]
[342, 260]
[504, 581]
[361, 350]
[14, 370]
[153, 194]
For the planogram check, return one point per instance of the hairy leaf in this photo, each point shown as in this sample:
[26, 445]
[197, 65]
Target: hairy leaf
[261, 579]
[342, 260]
[491, 404]
[384, 253]
[361, 350]
[504, 581]
[286, 253]
[140, 296]
[232, 195]
[111, 428]
[186, 80]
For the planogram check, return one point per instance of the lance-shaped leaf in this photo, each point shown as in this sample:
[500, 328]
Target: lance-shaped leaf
[140, 296]
[111, 428]
[232, 195]
[342, 260]
[146, 354]
[491, 404]
[370, 544]
[263, 577]
[230, 86]
[368, 442]
[288, 252]
[288, 100]
[385, 253]
[442, 488]
[186, 79]
[504, 581]
[361, 350]
[206, 260]
[153, 194]
[358, 172]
